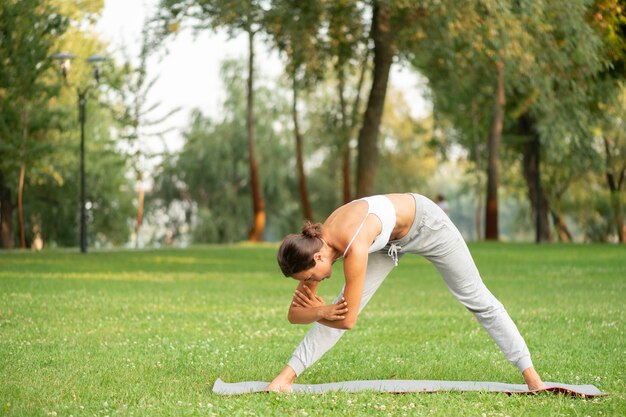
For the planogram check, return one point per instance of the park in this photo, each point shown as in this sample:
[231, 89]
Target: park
[138, 256]
[148, 333]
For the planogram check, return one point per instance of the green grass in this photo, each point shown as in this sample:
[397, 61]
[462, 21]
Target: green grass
[146, 333]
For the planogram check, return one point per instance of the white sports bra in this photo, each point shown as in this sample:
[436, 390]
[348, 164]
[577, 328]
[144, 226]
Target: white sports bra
[383, 208]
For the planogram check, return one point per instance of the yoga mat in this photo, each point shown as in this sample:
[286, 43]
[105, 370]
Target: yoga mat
[399, 386]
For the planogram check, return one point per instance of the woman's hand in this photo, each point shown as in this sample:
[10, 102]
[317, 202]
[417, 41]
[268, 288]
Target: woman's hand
[334, 312]
[307, 299]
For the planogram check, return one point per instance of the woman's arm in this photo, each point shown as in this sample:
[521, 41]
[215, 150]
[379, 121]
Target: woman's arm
[307, 307]
[354, 267]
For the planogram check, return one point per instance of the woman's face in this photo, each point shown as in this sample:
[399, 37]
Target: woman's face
[321, 271]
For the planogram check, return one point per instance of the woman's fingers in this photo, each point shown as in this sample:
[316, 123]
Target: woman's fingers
[303, 299]
[301, 296]
[307, 299]
[342, 311]
[298, 300]
[310, 294]
[338, 311]
[342, 308]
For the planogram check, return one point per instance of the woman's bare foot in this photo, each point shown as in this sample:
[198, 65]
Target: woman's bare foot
[283, 382]
[533, 380]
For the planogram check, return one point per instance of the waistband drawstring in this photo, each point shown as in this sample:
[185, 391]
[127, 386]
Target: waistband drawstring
[393, 252]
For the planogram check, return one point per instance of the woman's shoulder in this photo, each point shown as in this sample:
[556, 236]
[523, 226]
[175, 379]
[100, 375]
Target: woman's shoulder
[345, 219]
[346, 213]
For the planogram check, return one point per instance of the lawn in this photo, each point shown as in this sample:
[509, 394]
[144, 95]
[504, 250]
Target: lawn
[146, 333]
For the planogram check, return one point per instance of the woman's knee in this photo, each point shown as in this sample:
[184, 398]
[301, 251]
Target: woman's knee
[486, 312]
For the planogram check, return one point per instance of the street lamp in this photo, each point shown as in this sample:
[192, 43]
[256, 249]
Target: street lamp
[65, 60]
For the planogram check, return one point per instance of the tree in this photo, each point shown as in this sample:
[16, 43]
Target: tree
[467, 53]
[549, 98]
[611, 136]
[136, 117]
[608, 17]
[347, 46]
[409, 161]
[50, 183]
[29, 31]
[240, 16]
[210, 173]
[548, 54]
[326, 41]
[389, 20]
[294, 27]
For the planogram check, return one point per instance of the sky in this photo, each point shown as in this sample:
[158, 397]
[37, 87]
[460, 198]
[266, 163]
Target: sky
[188, 75]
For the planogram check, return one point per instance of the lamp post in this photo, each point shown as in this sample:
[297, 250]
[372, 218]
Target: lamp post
[65, 59]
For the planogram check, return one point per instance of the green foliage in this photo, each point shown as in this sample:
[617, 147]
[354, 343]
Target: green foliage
[211, 170]
[29, 31]
[233, 15]
[148, 332]
[563, 66]
[295, 26]
[38, 125]
[549, 51]
[595, 223]
[555, 57]
[52, 203]
[407, 162]
[80, 11]
[28, 34]
[608, 17]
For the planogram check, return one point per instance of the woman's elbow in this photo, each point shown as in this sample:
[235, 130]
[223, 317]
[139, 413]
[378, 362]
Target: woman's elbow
[291, 317]
[348, 324]
[294, 318]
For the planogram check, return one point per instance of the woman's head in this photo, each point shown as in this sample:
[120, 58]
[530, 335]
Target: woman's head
[296, 252]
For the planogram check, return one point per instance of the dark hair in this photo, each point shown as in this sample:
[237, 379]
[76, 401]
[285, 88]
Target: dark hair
[296, 252]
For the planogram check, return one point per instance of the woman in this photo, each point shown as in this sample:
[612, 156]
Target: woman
[372, 234]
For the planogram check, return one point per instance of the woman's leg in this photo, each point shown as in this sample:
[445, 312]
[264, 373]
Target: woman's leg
[321, 338]
[441, 243]
[464, 282]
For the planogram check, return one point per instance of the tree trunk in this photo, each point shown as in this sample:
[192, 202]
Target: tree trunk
[140, 198]
[615, 182]
[346, 165]
[20, 205]
[493, 147]
[616, 205]
[349, 125]
[346, 168]
[302, 184]
[540, 205]
[478, 212]
[561, 227]
[384, 51]
[6, 214]
[20, 188]
[538, 199]
[258, 205]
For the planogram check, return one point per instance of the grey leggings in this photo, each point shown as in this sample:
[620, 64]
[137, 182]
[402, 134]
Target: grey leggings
[434, 237]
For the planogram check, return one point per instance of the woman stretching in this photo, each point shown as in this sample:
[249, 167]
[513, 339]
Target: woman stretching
[372, 234]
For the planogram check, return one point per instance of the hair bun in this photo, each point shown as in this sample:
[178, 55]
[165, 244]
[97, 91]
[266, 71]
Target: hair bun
[311, 229]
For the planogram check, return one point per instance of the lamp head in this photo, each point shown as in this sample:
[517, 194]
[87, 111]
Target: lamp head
[65, 61]
[95, 60]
